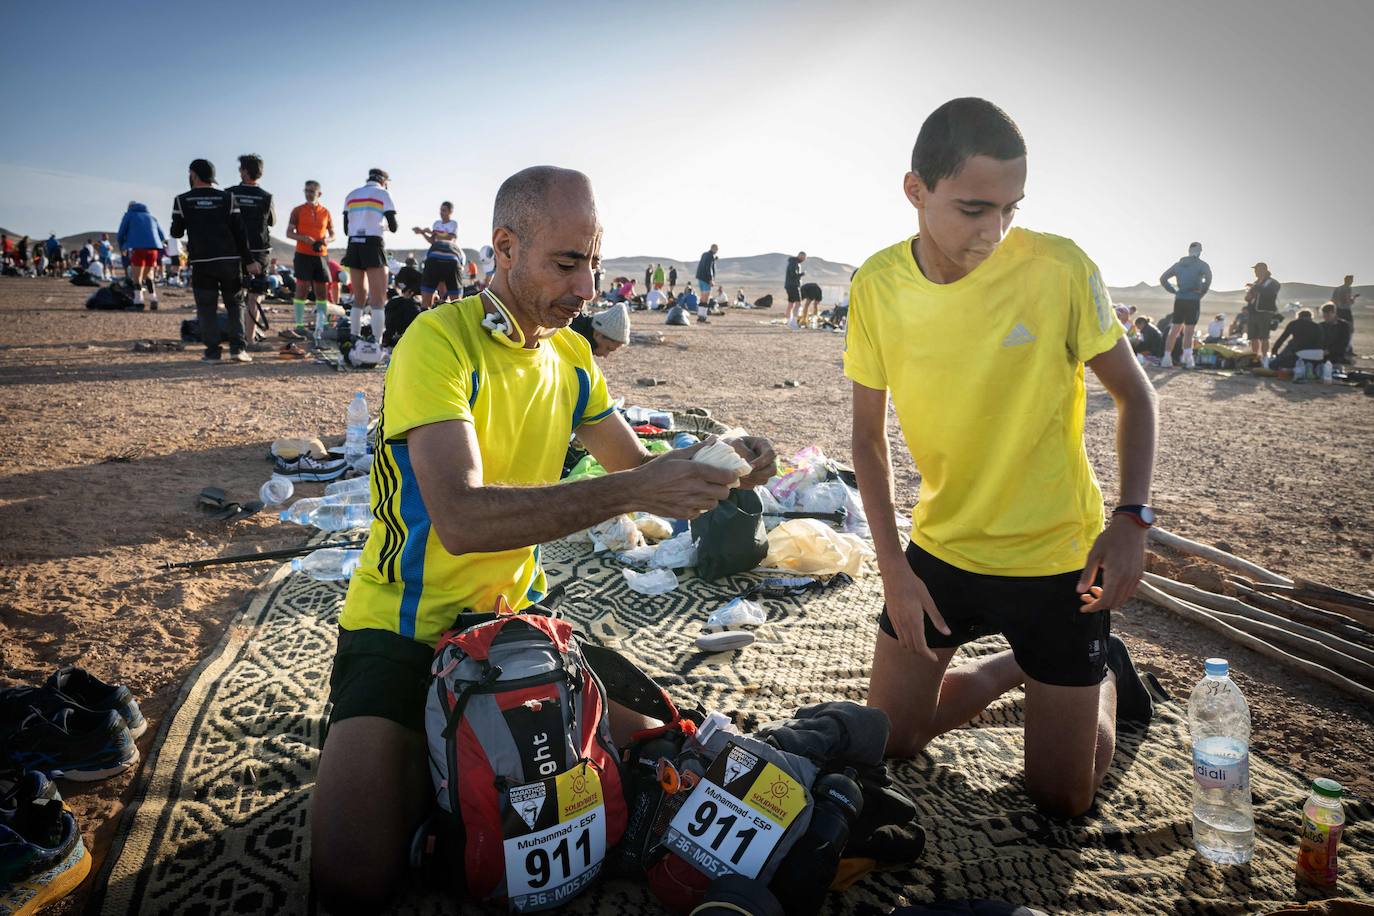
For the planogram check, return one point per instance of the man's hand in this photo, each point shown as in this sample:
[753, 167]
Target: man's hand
[758, 451]
[908, 604]
[254, 268]
[677, 488]
[1120, 553]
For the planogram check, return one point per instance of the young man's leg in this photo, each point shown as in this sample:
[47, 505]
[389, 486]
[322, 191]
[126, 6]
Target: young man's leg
[1070, 739]
[206, 295]
[372, 791]
[923, 699]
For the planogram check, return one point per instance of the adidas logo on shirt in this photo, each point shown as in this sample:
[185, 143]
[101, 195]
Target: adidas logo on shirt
[1019, 335]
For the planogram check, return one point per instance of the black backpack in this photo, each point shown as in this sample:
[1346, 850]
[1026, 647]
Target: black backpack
[112, 298]
[731, 538]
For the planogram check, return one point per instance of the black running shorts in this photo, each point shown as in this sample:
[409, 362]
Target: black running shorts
[380, 673]
[793, 293]
[441, 270]
[1258, 325]
[364, 252]
[1187, 311]
[1054, 642]
[311, 267]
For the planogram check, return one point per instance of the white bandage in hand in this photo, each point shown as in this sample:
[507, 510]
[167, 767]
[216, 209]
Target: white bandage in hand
[721, 454]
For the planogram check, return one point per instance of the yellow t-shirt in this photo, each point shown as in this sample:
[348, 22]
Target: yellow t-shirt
[524, 405]
[986, 375]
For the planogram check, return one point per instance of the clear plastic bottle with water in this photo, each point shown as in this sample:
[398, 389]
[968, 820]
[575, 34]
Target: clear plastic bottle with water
[351, 485]
[341, 516]
[298, 513]
[355, 436]
[1219, 728]
[332, 564]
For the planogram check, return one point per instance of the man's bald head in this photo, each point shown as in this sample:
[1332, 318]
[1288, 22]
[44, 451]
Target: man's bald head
[527, 200]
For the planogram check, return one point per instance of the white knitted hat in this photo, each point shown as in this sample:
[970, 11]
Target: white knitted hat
[614, 323]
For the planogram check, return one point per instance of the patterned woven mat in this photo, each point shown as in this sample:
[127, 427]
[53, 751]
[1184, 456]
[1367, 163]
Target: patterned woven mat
[218, 823]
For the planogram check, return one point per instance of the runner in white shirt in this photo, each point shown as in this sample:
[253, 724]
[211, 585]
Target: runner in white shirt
[368, 212]
[443, 260]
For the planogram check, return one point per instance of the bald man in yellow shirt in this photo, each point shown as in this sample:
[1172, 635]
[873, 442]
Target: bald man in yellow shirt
[979, 334]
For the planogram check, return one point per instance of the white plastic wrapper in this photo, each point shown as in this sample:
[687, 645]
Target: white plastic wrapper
[617, 534]
[826, 496]
[638, 556]
[738, 612]
[653, 582]
[721, 454]
[652, 526]
[675, 553]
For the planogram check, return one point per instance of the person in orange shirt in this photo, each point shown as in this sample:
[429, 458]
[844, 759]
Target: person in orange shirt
[312, 228]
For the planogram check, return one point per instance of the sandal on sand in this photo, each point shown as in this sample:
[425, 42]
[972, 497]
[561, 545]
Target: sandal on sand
[290, 334]
[291, 351]
[217, 505]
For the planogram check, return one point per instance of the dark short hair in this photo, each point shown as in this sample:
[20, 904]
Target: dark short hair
[447, 203]
[522, 198]
[1143, 319]
[310, 181]
[959, 130]
[1305, 313]
[251, 163]
[1328, 308]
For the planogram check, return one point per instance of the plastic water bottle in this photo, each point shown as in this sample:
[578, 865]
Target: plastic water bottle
[341, 516]
[355, 438]
[1322, 822]
[298, 513]
[332, 564]
[351, 485]
[276, 490]
[1328, 373]
[1219, 727]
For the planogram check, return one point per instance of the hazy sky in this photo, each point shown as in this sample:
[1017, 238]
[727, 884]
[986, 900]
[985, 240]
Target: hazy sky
[770, 126]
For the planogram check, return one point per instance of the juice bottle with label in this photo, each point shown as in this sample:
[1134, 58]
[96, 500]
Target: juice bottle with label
[1322, 822]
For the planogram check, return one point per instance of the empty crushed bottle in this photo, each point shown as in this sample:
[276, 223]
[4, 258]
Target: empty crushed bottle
[276, 490]
[351, 485]
[1219, 729]
[332, 564]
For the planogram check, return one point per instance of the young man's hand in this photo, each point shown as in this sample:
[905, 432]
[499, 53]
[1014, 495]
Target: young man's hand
[1120, 553]
[908, 604]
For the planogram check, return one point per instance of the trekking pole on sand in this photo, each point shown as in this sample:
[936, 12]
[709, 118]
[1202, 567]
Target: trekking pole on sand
[284, 554]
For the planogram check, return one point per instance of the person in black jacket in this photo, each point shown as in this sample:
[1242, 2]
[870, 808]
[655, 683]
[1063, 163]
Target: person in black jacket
[1336, 333]
[217, 249]
[1301, 334]
[791, 283]
[259, 215]
[1148, 340]
[706, 278]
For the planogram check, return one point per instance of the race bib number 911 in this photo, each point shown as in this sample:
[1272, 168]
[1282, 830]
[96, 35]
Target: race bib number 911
[736, 815]
[555, 833]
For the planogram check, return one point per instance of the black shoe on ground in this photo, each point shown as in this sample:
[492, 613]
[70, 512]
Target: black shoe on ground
[1133, 703]
[85, 689]
[72, 743]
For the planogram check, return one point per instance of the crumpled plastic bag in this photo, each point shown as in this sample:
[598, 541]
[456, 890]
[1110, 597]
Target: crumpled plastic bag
[805, 469]
[653, 582]
[826, 496]
[616, 534]
[721, 454]
[808, 546]
[638, 556]
[652, 526]
[675, 553]
[737, 612]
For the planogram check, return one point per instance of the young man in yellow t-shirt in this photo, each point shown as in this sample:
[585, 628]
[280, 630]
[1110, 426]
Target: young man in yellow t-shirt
[979, 334]
[481, 397]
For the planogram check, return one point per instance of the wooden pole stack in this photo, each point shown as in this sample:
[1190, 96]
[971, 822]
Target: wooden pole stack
[1325, 632]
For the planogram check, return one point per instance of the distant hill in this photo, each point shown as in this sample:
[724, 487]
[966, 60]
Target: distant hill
[1309, 294]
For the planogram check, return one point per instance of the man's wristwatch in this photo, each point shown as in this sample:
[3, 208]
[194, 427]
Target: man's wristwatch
[1143, 516]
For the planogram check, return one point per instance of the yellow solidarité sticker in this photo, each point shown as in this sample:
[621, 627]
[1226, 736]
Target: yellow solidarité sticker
[579, 791]
[776, 795]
